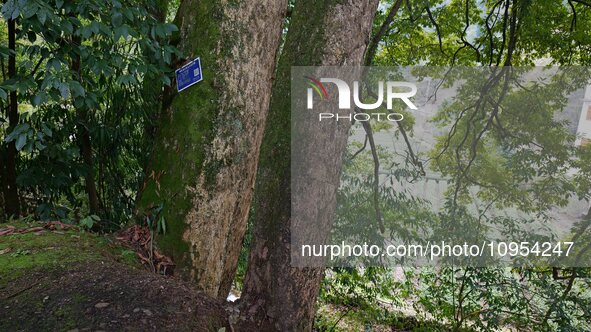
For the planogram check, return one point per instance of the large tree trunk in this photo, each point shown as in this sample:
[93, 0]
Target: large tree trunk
[204, 162]
[276, 295]
[11, 198]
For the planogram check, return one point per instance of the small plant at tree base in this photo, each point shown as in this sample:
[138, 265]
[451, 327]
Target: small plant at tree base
[89, 221]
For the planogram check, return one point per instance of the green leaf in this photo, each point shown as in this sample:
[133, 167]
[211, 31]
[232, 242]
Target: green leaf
[121, 32]
[7, 9]
[42, 16]
[170, 28]
[29, 146]
[64, 90]
[128, 13]
[87, 222]
[46, 130]
[36, 100]
[3, 94]
[166, 80]
[29, 11]
[55, 64]
[15, 13]
[17, 131]
[85, 32]
[161, 226]
[77, 89]
[126, 79]
[21, 141]
[67, 26]
[117, 19]
[95, 27]
[79, 102]
[10, 10]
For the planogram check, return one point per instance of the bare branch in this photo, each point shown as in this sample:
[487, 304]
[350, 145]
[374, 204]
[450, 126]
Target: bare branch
[573, 23]
[505, 20]
[463, 37]
[377, 38]
[361, 149]
[490, 33]
[437, 30]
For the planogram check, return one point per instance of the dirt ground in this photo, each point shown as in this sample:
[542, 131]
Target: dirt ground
[105, 297]
[56, 277]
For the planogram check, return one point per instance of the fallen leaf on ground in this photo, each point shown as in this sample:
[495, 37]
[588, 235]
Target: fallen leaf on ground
[138, 238]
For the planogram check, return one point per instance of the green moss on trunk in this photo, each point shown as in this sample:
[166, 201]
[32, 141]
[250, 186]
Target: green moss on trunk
[204, 160]
[184, 130]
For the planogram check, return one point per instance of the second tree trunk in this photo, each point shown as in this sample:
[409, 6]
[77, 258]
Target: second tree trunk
[277, 296]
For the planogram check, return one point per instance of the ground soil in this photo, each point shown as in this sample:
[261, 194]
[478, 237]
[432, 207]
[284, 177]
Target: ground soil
[105, 297]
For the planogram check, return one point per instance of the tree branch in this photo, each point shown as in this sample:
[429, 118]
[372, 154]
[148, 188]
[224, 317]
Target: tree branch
[437, 30]
[375, 41]
[361, 149]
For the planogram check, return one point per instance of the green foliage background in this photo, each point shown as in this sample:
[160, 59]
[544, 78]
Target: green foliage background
[511, 159]
[123, 50]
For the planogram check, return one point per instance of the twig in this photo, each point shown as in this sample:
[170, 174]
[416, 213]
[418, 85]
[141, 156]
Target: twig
[437, 30]
[21, 291]
[573, 23]
[152, 251]
[360, 150]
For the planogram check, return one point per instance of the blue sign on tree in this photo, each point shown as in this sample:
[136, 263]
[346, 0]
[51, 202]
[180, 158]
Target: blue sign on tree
[188, 75]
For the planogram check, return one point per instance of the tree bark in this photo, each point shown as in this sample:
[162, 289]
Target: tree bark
[11, 196]
[86, 152]
[204, 162]
[277, 296]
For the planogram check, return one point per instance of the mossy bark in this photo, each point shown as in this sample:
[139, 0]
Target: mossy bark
[204, 162]
[276, 295]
